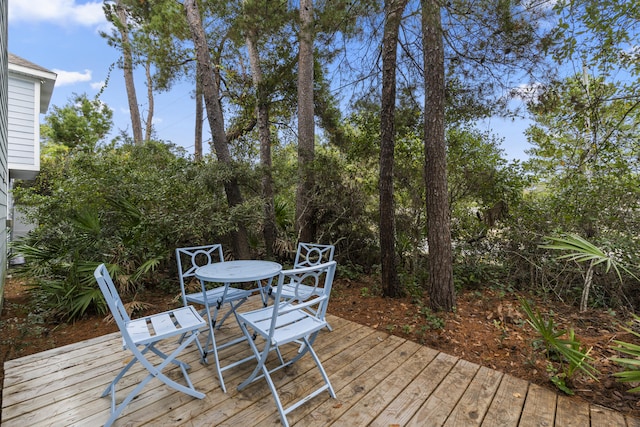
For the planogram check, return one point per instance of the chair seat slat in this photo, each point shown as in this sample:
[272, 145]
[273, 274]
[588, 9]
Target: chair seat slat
[163, 324]
[138, 330]
[188, 318]
[285, 319]
[296, 330]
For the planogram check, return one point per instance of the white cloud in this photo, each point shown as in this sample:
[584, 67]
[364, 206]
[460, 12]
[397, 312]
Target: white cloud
[59, 12]
[97, 85]
[71, 77]
[527, 92]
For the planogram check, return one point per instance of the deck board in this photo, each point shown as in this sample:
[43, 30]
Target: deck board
[437, 408]
[475, 401]
[539, 407]
[571, 412]
[393, 385]
[406, 404]
[380, 380]
[507, 403]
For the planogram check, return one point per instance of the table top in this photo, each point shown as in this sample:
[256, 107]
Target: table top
[238, 271]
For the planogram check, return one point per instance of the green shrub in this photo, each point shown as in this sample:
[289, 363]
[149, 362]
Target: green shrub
[631, 364]
[572, 354]
[127, 206]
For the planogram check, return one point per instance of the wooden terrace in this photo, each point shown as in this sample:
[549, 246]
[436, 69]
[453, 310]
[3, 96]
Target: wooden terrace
[380, 380]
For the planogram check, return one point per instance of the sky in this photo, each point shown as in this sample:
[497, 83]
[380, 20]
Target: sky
[63, 36]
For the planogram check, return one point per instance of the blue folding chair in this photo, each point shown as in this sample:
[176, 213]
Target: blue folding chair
[307, 255]
[141, 336]
[189, 260]
[290, 320]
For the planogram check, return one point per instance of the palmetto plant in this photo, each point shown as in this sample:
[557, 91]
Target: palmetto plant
[582, 251]
[573, 355]
[631, 364]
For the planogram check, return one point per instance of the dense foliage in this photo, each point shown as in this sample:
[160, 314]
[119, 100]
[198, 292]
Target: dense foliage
[132, 205]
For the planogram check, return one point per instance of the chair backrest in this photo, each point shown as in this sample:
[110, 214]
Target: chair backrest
[111, 296]
[310, 254]
[311, 287]
[190, 259]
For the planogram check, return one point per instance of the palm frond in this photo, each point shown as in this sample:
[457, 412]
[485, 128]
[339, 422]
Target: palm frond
[147, 267]
[88, 221]
[581, 250]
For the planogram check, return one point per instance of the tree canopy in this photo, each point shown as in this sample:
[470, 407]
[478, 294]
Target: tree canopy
[402, 179]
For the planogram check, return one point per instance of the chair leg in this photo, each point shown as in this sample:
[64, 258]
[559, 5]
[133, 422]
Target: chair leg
[112, 386]
[154, 372]
[211, 345]
[231, 311]
[276, 396]
[261, 357]
[203, 353]
[212, 339]
[117, 410]
[320, 367]
[261, 370]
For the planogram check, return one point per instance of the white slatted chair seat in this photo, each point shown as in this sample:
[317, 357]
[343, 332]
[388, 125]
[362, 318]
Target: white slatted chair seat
[214, 295]
[141, 335]
[163, 325]
[296, 322]
[290, 321]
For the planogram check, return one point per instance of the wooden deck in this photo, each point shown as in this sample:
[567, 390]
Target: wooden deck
[380, 380]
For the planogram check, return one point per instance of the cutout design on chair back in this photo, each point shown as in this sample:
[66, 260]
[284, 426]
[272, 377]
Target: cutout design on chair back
[310, 254]
[303, 286]
[190, 259]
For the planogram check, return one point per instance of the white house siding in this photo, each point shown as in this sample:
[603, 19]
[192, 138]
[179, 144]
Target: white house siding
[29, 91]
[4, 120]
[24, 102]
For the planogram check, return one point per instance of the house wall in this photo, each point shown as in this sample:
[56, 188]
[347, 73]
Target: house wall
[4, 120]
[24, 109]
[23, 130]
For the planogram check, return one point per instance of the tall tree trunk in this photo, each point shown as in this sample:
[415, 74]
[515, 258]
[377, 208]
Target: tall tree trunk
[262, 114]
[134, 111]
[442, 293]
[197, 144]
[211, 91]
[306, 125]
[393, 16]
[149, 126]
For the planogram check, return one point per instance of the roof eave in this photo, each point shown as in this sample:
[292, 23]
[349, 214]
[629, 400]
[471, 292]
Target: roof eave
[47, 81]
